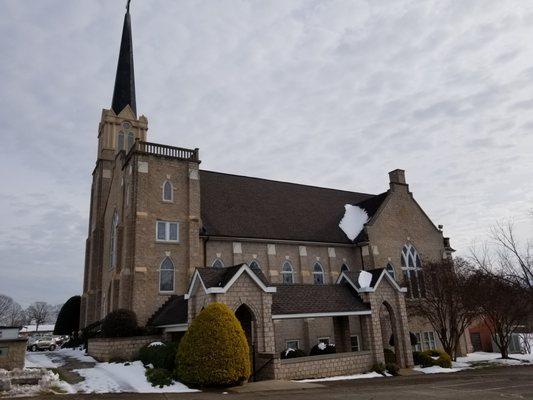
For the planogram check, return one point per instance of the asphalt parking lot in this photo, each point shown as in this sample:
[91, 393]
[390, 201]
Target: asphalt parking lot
[485, 384]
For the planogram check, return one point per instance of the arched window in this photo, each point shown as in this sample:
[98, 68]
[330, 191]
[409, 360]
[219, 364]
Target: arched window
[113, 243]
[412, 272]
[318, 274]
[390, 269]
[344, 268]
[254, 265]
[131, 139]
[217, 263]
[167, 191]
[120, 142]
[166, 275]
[287, 273]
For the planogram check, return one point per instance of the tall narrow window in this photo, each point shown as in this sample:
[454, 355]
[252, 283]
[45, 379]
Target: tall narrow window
[412, 272]
[287, 273]
[167, 191]
[166, 276]
[254, 265]
[120, 144]
[217, 263]
[131, 139]
[113, 243]
[318, 274]
[344, 268]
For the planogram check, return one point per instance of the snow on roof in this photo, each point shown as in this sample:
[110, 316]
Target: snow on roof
[353, 221]
[42, 328]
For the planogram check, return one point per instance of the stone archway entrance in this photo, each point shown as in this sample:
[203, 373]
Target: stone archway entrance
[247, 319]
[389, 337]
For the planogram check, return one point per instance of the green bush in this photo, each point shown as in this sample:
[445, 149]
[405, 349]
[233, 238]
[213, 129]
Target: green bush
[390, 357]
[322, 348]
[426, 359]
[214, 350]
[162, 356]
[379, 368]
[68, 319]
[290, 353]
[159, 377]
[120, 323]
[392, 368]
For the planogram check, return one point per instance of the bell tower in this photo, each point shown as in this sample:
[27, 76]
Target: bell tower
[118, 130]
[119, 126]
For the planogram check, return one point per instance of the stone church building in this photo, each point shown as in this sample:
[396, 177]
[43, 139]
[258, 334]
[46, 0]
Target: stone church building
[166, 238]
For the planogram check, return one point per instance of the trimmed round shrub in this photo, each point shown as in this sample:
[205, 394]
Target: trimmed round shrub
[159, 377]
[430, 358]
[160, 356]
[379, 368]
[214, 350]
[322, 348]
[392, 368]
[120, 323]
[291, 353]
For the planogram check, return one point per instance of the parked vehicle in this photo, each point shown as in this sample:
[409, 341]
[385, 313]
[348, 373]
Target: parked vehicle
[42, 343]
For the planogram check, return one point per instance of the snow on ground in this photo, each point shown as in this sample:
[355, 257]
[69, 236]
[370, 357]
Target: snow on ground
[78, 354]
[437, 370]
[42, 360]
[117, 377]
[353, 221]
[345, 377]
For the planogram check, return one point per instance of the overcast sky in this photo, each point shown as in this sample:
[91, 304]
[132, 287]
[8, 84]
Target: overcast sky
[329, 93]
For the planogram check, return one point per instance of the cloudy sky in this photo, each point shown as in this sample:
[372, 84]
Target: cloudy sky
[329, 93]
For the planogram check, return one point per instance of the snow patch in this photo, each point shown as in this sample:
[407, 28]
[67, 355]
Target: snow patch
[437, 370]
[41, 360]
[156, 344]
[353, 221]
[111, 377]
[345, 377]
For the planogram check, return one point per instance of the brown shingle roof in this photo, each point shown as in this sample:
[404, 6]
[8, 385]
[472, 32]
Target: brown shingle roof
[173, 311]
[219, 277]
[240, 206]
[304, 299]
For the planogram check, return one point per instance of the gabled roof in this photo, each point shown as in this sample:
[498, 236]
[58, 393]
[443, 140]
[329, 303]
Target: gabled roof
[245, 207]
[378, 274]
[219, 280]
[174, 311]
[296, 301]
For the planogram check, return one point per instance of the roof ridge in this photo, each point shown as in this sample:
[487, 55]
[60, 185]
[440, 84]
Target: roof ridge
[288, 183]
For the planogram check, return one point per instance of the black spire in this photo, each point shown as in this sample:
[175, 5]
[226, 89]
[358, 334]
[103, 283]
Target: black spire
[124, 92]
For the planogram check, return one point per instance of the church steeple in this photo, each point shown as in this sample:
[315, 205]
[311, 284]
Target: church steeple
[124, 92]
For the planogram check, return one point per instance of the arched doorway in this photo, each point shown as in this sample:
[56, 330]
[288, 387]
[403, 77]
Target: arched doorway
[246, 317]
[389, 335]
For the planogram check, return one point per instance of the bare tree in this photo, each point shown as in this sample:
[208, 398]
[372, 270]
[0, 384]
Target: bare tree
[515, 258]
[6, 304]
[502, 304]
[16, 316]
[38, 312]
[447, 304]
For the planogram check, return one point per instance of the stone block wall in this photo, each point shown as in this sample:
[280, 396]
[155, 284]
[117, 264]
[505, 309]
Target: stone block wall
[106, 349]
[12, 353]
[322, 366]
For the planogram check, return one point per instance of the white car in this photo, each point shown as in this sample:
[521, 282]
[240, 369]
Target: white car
[42, 343]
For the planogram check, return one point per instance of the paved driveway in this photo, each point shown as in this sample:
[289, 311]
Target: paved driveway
[483, 384]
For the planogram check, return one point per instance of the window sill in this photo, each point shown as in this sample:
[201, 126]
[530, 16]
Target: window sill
[168, 241]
